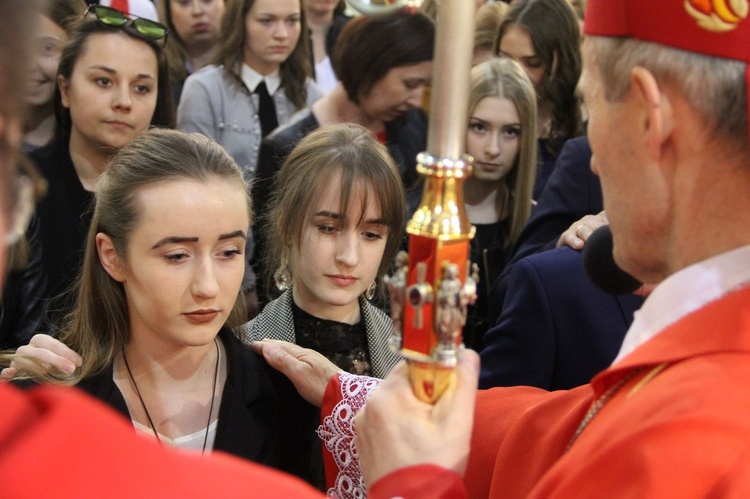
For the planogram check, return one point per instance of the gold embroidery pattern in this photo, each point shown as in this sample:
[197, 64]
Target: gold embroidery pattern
[717, 15]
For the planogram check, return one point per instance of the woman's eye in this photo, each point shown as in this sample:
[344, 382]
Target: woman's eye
[103, 81]
[176, 257]
[512, 132]
[327, 229]
[477, 127]
[231, 253]
[142, 89]
[372, 236]
[532, 63]
[265, 22]
[293, 21]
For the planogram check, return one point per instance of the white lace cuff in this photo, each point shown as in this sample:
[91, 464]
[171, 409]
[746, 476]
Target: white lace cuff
[337, 433]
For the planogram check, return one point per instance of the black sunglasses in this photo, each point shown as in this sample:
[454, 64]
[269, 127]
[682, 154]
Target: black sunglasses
[142, 26]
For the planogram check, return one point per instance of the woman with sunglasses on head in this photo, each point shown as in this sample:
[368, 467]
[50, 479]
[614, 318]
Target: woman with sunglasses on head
[156, 298]
[113, 85]
[544, 36]
[194, 35]
[334, 226]
[260, 81]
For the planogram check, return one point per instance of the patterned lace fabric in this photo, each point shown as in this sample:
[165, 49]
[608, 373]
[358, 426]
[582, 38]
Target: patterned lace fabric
[343, 344]
[337, 434]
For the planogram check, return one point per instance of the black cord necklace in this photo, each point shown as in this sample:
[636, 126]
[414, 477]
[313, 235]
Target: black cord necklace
[143, 404]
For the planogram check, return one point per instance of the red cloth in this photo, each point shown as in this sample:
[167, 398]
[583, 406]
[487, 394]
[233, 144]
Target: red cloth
[330, 398]
[683, 433]
[420, 482]
[703, 26]
[382, 137]
[121, 5]
[57, 442]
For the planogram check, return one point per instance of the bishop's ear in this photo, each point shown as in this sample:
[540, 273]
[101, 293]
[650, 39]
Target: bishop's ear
[657, 120]
[109, 258]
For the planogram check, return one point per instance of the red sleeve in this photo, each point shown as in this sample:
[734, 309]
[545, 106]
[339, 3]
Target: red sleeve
[416, 482]
[60, 442]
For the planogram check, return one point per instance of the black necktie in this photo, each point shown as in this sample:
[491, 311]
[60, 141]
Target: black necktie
[266, 110]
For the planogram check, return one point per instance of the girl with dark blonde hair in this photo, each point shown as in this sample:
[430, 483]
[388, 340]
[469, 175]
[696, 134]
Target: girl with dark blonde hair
[334, 225]
[502, 139]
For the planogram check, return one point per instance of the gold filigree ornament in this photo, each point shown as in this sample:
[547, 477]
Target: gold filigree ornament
[717, 15]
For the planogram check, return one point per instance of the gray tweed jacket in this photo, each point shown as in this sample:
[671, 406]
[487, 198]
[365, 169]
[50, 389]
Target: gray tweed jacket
[276, 322]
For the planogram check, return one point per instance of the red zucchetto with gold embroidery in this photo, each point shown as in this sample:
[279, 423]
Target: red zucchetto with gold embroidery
[719, 28]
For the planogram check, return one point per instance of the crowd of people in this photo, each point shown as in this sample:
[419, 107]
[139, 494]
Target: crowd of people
[202, 200]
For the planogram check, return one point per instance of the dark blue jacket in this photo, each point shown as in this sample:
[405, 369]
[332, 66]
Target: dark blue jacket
[572, 191]
[557, 329]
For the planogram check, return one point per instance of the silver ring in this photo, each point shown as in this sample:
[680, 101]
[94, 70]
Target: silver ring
[578, 229]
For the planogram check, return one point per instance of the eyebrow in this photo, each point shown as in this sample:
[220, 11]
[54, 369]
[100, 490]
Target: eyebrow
[107, 69]
[178, 239]
[336, 216]
[524, 57]
[513, 123]
[278, 16]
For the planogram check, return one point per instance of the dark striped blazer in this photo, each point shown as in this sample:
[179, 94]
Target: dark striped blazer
[276, 322]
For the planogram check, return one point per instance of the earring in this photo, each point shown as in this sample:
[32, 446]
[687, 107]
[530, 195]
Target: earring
[370, 291]
[282, 278]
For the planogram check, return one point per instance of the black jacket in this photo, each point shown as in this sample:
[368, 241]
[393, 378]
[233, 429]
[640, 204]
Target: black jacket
[261, 417]
[22, 306]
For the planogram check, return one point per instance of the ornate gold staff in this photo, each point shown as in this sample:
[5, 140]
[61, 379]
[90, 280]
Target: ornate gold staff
[429, 294]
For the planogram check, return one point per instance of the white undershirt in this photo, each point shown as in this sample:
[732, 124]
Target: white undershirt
[685, 292]
[324, 75]
[193, 442]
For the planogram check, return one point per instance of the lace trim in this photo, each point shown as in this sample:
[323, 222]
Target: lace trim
[337, 433]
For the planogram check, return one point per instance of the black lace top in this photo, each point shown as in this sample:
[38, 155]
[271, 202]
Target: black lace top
[343, 344]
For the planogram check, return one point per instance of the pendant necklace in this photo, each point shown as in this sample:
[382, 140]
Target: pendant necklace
[145, 409]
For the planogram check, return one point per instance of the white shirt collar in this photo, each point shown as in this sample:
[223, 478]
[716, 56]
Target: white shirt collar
[252, 79]
[685, 292]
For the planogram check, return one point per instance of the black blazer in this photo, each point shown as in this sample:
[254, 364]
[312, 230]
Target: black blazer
[557, 330]
[261, 416]
[22, 306]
